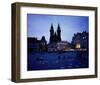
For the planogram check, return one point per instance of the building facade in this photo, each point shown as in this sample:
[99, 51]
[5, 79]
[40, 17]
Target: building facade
[55, 42]
[55, 36]
[35, 45]
[80, 40]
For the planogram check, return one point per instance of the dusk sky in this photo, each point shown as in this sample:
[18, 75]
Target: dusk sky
[38, 25]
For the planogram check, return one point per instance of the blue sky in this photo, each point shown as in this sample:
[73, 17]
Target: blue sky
[38, 25]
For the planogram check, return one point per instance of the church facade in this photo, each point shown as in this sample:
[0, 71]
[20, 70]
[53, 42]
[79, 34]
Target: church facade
[55, 41]
[55, 36]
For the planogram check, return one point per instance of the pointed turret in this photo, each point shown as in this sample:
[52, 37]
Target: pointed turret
[59, 33]
[58, 29]
[52, 29]
[51, 33]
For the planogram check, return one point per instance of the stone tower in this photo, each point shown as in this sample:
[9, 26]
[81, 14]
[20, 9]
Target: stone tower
[59, 33]
[51, 33]
[55, 36]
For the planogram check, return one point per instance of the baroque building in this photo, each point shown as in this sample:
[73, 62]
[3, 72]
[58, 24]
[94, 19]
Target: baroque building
[35, 45]
[43, 44]
[80, 40]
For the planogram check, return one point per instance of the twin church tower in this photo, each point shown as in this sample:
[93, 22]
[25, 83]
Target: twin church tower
[55, 36]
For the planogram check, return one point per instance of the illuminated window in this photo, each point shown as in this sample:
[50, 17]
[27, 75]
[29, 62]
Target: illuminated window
[78, 46]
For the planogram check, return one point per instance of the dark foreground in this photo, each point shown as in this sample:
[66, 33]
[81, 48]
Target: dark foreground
[57, 60]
